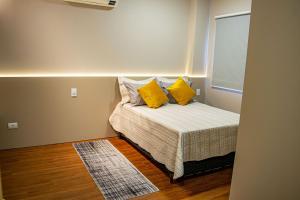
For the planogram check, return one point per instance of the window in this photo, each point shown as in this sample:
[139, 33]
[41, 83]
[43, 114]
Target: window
[230, 53]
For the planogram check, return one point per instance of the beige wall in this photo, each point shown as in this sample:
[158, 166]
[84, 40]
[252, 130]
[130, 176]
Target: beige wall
[138, 36]
[267, 160]
[198, 37]
[219, 98]
[47, 114]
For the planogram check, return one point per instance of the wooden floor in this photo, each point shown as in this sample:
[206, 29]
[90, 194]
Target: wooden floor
[56, 172]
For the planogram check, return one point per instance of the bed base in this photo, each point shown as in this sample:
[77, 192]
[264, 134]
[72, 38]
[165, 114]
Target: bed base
[191, 168]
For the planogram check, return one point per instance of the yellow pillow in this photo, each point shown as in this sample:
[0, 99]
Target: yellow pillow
[153, 95]
[181, 92]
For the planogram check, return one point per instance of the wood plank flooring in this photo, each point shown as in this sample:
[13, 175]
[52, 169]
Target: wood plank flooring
[56, 172]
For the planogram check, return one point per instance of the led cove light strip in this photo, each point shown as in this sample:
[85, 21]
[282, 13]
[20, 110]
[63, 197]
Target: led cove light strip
[97, 75]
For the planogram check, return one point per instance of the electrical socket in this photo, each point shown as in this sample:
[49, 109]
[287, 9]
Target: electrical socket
[12, 125]
[198, 92]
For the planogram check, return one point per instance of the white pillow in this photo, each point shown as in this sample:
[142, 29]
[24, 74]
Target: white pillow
[128, 89]
[167, 82]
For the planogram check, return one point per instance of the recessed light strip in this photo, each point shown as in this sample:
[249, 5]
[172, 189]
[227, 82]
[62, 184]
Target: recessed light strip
[97, 75]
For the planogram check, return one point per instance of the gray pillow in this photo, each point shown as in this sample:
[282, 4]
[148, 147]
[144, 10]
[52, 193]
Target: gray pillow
[166, 82]
[123, 90]
[132, 88]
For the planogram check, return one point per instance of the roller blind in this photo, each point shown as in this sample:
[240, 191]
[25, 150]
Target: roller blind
[230, 53]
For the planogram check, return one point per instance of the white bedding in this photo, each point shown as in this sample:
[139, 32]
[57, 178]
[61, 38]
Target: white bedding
[174, 134]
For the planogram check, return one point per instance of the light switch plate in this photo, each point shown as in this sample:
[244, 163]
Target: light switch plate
[198, 92]
[73, 92]
[12, 125]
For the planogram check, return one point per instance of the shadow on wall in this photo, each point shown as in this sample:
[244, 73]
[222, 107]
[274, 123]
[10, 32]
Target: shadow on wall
[112, 105]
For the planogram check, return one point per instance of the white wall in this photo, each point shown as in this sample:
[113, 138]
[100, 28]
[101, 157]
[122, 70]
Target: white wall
[219, 98]
[51, 36]
[267, 164]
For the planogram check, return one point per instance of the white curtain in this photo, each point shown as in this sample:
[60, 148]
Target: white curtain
[230, 53]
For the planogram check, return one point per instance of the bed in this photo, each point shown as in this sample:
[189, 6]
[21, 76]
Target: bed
[180, 138]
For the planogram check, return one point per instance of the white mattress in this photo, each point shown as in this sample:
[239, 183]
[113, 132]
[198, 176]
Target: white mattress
[174, 134]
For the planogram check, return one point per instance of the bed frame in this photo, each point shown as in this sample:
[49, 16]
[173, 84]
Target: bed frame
[191, 168]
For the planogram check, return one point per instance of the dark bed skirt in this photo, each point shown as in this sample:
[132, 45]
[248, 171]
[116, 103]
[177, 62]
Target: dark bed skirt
[191, 168]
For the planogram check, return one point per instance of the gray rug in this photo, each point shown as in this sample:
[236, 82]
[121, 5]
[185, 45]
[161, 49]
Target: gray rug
[114, 175]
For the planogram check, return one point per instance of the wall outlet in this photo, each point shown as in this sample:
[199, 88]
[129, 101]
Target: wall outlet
[73, 92]
[12, 125]
[198, 92]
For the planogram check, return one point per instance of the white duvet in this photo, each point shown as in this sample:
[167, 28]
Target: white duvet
[174, 134]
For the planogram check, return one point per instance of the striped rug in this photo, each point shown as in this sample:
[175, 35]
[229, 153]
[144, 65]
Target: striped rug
[114, 175]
